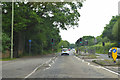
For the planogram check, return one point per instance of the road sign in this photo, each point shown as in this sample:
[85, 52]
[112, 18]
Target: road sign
[30, 46]
[103, 43]
[114, 53]
[30, 41]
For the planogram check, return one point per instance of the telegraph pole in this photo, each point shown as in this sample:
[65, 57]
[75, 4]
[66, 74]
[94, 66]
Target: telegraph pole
[12, 29]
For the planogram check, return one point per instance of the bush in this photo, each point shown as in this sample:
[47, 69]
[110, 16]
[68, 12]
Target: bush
[102, 49]
[99, 48]
[5, 42]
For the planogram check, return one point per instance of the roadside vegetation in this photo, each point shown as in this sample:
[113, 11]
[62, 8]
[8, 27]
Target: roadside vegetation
[39, 22]
[7, 59]
[110, 36]
[106, 62]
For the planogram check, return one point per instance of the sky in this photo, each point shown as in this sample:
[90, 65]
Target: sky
[95, 14]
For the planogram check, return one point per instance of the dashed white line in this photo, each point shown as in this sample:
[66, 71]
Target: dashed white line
[88, 63]
[82, 60]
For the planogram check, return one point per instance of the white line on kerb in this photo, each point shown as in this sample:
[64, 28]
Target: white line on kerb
[37, 68]
[99, 67]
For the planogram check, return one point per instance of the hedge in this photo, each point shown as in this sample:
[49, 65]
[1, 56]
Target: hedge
[99, 48]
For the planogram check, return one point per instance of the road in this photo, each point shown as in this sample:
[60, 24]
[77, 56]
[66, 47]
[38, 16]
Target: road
[104, 56]
[21, 67]
[56, 67]
[72, 67]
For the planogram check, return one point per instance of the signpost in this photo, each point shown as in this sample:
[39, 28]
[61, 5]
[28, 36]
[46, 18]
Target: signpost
[95, 42]
[30, 46]
[103, 43]
[114, 53]
[52, 44]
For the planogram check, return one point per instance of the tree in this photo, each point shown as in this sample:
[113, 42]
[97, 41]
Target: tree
[39, 22]
[108, 30]
[90, 40]
[64, 44]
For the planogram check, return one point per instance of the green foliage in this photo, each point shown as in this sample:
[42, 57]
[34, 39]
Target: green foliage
[102, 49]
[5, 42]
[111, 29]
[72, 46]
[110, 36]
[99, 39]
[90, 40]
[63, 44]
[39, 22]
[116, 29]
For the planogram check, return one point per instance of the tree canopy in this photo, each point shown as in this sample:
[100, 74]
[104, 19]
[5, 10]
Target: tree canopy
[39, 22]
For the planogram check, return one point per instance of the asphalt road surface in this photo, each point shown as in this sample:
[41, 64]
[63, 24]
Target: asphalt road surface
[54, 67]
[71, 67]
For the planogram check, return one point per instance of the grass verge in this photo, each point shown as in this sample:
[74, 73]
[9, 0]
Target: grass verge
[106, 62]
[87, 56]
[7, 59]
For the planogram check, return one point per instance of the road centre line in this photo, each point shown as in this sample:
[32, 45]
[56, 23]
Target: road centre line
[38, 67]
[99, 67]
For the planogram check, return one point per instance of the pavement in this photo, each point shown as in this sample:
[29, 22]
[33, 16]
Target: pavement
[55, 66]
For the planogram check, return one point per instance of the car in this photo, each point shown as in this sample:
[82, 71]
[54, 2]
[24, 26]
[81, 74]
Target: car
[65, 51]
[110, 52]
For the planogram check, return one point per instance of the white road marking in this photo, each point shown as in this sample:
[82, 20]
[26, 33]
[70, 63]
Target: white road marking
[50, 64]
[88, 63]
[82, 60]
[38, 67]
[99, 67]
[33, 71]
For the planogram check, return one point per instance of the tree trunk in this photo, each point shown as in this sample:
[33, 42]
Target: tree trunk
[21, 43]
[15, 45]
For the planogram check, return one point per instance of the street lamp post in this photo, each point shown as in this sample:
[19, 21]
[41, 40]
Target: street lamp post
[12, 29]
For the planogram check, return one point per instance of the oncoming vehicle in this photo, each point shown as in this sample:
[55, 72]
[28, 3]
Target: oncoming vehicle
[65, 51]
[110, 52]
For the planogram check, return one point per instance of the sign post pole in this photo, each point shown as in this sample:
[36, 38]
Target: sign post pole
[30, 47]
[95, 42]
